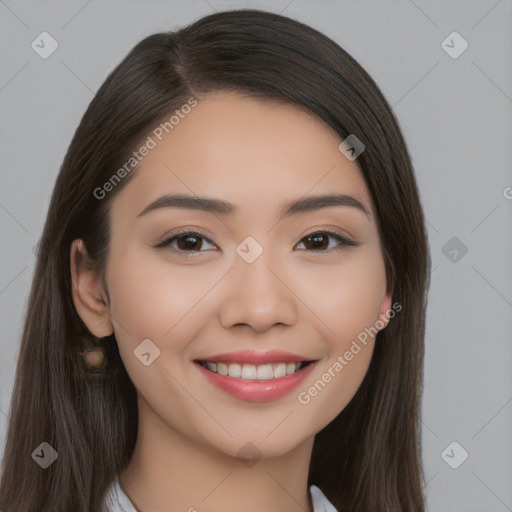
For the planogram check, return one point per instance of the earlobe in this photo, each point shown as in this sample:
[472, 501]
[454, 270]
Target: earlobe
[88, 292]
[385, 310]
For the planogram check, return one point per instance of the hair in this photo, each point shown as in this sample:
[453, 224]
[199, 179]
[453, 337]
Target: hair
[368, 457]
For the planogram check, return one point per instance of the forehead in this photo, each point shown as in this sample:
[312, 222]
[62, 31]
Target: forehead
[247, 151]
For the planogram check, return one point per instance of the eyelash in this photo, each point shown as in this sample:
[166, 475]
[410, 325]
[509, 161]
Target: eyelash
[344, 241]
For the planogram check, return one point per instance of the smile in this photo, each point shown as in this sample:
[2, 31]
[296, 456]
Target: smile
[254, 372]
[255, 376]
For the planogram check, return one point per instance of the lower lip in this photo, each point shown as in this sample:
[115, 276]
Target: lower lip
[257, 390]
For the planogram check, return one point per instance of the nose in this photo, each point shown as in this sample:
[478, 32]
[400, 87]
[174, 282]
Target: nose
[259, 295]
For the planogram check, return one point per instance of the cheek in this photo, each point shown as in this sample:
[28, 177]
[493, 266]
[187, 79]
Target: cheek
[154, 299]
[347, 308]
[346, 297]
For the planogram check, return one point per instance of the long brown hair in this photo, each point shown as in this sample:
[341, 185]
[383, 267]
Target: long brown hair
[368, 458]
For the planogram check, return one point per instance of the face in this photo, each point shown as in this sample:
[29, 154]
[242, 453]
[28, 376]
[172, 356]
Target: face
[230, 285]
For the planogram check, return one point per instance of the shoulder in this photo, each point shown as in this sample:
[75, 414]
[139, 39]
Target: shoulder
[320, 501]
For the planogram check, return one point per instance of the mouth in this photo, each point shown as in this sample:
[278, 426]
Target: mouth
[256, 376]
[259, 372]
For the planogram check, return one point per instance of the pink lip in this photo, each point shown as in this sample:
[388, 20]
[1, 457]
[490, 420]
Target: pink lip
[256, 390]
[256, 357]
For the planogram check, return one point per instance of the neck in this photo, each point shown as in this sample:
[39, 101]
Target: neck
[170, 472]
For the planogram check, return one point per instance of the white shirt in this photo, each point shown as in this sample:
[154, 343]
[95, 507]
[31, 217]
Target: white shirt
[117, 501]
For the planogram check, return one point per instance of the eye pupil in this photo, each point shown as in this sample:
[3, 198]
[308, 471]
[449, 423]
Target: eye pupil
[317, 238]
[191, 242]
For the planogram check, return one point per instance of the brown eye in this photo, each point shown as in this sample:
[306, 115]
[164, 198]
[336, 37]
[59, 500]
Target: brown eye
[187, 241]
[192, 242]
[319, 241]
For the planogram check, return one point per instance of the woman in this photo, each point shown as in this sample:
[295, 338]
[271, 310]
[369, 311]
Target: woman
[229, 301]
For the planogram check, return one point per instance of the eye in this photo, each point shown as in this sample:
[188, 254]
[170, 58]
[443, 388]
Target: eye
[187, 241]
[192, 241]
[317, 241]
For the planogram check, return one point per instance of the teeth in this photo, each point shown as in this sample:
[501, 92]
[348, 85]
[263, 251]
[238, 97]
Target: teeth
[264, 372]
[280, 370]
[211, 366]
[234, 370]
[249, 372]
[291, 368]
[253, 372]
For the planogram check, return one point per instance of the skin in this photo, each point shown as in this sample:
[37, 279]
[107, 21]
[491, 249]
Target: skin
[258, 155]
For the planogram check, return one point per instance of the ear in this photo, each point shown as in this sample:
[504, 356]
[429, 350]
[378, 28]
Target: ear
[385, 308]
[88, 292]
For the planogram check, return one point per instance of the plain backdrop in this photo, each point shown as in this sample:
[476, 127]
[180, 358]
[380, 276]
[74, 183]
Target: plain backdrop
[454, 105]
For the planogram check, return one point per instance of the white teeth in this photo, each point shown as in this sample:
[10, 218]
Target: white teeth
[290, 368]
[264, 372]
[234, 370]
[248, 372]
[222, 369]
[254, 372]
[280, 370]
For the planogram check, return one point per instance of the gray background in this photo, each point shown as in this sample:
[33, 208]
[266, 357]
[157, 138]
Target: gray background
[456, 114]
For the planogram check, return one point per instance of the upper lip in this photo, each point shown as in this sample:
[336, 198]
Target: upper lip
[256, 357]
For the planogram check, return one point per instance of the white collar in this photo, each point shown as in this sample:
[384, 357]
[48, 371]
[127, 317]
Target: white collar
[117, 501]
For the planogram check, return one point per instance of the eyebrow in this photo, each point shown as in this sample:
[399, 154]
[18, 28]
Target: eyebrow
[225, 208]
